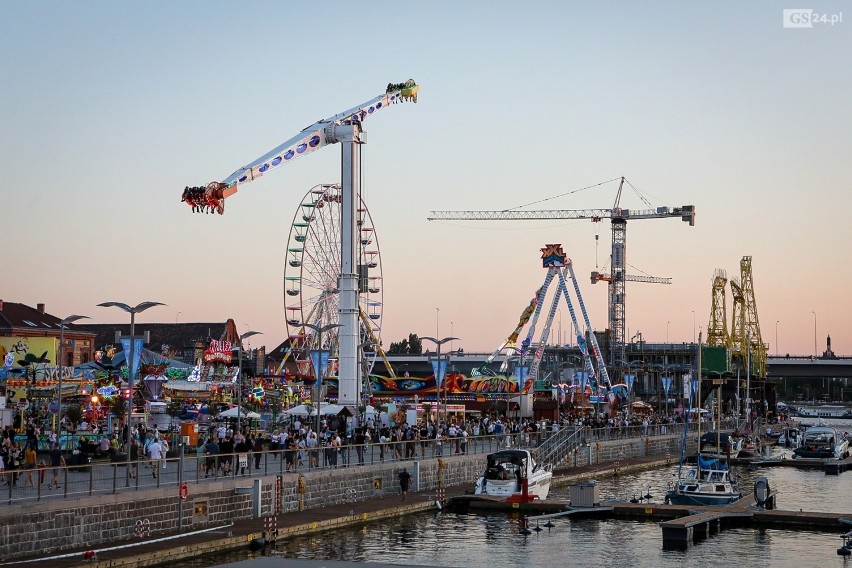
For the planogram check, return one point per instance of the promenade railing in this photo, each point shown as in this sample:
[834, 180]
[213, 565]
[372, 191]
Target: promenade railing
[84, 477]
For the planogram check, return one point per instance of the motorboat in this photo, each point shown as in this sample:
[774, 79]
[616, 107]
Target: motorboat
[709, 483]
[790, 437]
[720, 445]
[508, 471]
[822, 442]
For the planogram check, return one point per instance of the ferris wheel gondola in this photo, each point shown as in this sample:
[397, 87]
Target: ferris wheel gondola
[311, 294]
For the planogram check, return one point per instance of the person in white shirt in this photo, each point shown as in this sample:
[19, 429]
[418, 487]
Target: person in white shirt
[164, 445]
[155, 452]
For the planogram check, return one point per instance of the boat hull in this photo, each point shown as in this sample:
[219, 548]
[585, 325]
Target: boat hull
[677, 497]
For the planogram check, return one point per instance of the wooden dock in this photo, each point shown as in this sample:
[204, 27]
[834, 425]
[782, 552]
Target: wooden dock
[682, 525]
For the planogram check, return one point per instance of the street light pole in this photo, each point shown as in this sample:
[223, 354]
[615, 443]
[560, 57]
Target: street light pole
[131, 367]
[437, 321]
[61, 357]
[240, 379]
[319, 364]
[667, 331]
[439, 375]
[815, 349]
[777, 350]
[693, 326]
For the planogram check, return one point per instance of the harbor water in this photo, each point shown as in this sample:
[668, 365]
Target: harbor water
[472, 540]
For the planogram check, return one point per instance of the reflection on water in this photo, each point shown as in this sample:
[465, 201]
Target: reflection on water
[485, 541]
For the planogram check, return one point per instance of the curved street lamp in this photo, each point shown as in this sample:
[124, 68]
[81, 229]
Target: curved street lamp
[240, 379]
[318, 362]
[439, 375]
[69, 319]
[131, 367]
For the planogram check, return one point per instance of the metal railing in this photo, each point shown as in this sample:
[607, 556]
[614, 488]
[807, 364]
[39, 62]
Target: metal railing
[85, 477]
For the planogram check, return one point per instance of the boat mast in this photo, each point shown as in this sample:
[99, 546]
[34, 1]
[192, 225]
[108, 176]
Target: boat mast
[698, 404]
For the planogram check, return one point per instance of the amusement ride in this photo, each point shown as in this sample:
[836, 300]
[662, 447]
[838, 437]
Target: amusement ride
[346, 285]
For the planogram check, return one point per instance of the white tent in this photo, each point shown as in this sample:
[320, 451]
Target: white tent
[233, 412]
[301, 410]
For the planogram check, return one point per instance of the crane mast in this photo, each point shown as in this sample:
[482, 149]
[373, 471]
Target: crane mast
[618, 217]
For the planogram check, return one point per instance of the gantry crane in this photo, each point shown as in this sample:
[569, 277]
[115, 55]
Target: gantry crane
[618, 259]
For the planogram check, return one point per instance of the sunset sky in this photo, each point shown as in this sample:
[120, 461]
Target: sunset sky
[110, 108]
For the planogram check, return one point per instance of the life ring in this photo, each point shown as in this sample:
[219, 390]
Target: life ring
[183, 492]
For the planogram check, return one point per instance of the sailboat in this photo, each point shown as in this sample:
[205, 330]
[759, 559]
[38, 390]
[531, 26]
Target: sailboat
[710, 482]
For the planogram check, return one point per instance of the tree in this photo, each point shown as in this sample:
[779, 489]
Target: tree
[118, 407]
[410, 346]
[74, 414]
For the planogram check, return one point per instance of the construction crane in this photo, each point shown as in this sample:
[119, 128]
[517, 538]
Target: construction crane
[618, 259]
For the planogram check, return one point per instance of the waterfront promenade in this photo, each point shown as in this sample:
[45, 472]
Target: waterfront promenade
[95, 508]
[153, 550]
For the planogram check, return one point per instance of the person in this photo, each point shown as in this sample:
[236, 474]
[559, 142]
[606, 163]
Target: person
[30, 464]
[211, 450]
[57, 460]
[242, 449]
[226, 449]
[133, 457]
[257, 448]
[313, 452]
[404, 481]
[155, 452]
[199, 456]
[164, 444]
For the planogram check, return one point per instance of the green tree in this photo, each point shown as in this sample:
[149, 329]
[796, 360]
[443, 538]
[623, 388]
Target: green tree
[410, 346]
[74, 414]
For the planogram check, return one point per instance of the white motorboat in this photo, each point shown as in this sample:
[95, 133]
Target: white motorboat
[508, 471]
[822, 442]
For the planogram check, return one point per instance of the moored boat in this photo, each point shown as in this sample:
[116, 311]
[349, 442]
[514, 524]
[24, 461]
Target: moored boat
[509, 471]
[709, 483]
[720, 445]
[821, 442]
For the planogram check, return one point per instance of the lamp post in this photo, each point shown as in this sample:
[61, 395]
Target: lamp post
[777, 351]
[667, 331]
[815, 349]
[437, 321]
[318, 362]
[61, 357]
[440, 371]
[240, 379]
[131, 367]
[693, 326]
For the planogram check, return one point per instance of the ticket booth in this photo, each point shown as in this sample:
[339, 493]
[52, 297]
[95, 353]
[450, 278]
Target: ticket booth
[189, 433]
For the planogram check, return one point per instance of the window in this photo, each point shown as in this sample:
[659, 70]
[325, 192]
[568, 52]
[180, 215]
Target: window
[69, 359]
[29, 323]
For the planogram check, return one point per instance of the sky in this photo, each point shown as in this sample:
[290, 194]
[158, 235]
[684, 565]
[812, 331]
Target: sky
[109, 109]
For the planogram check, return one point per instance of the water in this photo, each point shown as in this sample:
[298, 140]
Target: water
[483, 541]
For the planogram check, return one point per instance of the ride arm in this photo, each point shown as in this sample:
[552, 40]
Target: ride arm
[211, 197]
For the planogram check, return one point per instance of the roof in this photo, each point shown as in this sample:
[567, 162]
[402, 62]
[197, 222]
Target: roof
[14, 315]
[174, 334]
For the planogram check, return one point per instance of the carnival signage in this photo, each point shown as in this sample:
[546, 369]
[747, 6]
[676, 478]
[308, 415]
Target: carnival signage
[218, 352]
[108, 391]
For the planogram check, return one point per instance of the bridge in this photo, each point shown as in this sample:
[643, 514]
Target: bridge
[806, 367]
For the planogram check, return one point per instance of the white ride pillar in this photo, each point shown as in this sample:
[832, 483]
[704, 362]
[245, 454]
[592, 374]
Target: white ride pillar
[349, 371]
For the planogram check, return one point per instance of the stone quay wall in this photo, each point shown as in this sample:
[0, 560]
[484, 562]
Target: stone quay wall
[53, 526]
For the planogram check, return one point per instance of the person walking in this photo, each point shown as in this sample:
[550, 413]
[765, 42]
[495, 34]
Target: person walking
[404, 481]
[155, 453]
[57, 460]
[133, 457]
[30, 464]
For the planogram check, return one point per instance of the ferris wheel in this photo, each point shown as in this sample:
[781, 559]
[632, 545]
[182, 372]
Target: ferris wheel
[311, 294]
